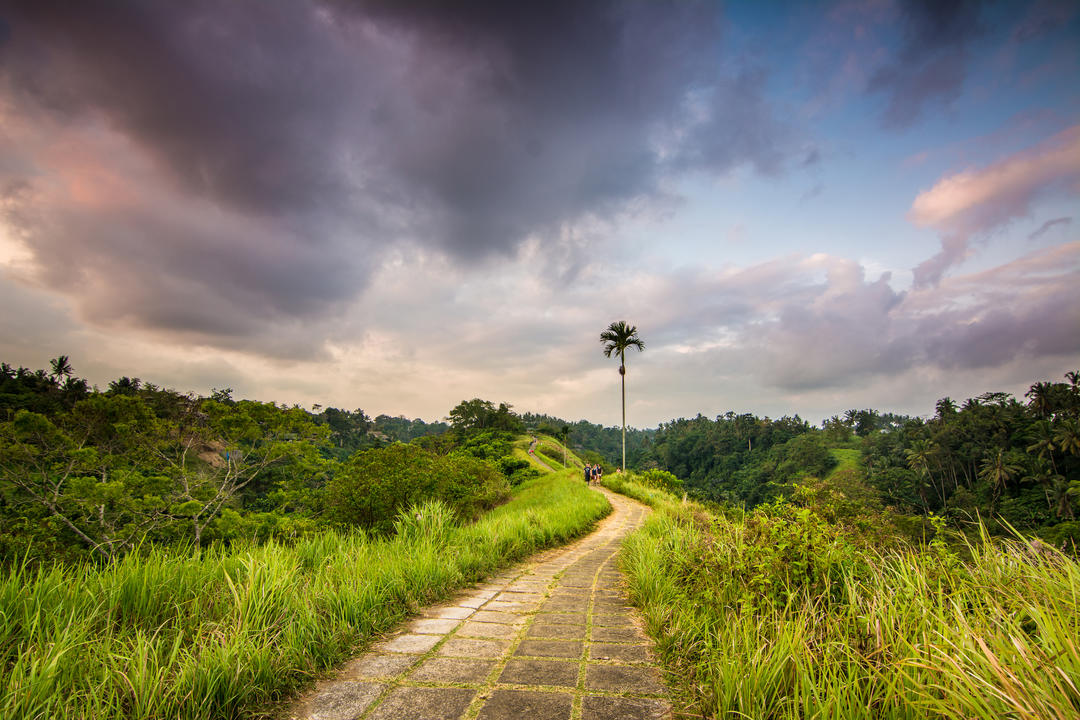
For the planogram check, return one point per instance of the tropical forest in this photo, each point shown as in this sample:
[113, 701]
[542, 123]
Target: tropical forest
[877, 565]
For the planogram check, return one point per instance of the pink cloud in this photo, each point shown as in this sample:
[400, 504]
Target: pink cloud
[975, 201]
[978, 201]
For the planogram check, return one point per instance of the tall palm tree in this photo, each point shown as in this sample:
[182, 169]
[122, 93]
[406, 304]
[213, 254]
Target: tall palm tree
[617, 339]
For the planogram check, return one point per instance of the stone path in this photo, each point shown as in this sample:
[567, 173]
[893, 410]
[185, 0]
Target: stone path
[550, 639]
[532, 454]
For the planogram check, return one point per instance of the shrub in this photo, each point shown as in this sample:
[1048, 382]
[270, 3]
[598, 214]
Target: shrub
[661, 479]
[373, 486]
[517, 470]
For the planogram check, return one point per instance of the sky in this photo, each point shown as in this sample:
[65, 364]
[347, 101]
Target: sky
[802, 207]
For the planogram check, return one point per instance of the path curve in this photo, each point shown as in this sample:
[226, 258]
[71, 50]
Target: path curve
[532, 454]
[551, 638]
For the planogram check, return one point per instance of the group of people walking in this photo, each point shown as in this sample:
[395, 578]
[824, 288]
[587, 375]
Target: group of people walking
[593, 474]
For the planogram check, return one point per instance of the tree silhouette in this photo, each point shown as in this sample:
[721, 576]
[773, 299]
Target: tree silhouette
[618, 337]
[61, 367]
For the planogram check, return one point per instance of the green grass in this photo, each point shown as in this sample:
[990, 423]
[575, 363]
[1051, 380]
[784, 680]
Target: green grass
[847, 461]
[782, 615]
[553, 448]
[548, 450]
[224, 634]
[549, 458]
[521, 450]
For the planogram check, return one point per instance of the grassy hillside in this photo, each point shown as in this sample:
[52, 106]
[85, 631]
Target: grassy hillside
[847, 461]
[780, 613]
[549, 450]
[219, 634]
[553, 451]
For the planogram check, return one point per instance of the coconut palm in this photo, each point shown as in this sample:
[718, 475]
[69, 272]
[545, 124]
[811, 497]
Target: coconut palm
[617, 339]
[61, 367]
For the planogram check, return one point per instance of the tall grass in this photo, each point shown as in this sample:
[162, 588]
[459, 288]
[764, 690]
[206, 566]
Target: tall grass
[172, 634]
[780, 615]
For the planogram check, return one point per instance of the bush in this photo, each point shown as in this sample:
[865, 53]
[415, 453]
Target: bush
[661, 479]
[517, 470]
[373, 486]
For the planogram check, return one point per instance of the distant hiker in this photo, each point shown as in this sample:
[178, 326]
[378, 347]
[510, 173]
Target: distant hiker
[599, 474]
[588, 474]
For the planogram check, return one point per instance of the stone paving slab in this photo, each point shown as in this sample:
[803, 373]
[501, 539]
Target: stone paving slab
[596, 707]
[343, 701]
[453, 670]
[433, 626]
[474, 648]
[511, 607]
[498, 617]
[617, 634]
[377, 667]
[550, 648]
[562, 604]
[624, 679]
[412, 643]
[410, 703]
[516, 596]
[532, 643]
[540, 672]
[526, 705]
[561, 618]
[555, 631]
[621, 653]
[488, 630]
[452, 612]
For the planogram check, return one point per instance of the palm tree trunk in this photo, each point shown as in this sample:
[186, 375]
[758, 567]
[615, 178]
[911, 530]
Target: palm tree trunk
[622, 376]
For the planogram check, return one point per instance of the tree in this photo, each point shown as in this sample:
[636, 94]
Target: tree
[477, 414]
[1041, 400]
[617, 339]
[918, 459]
[998, 469]
[61, 367]
[564, 436]
[218, 449]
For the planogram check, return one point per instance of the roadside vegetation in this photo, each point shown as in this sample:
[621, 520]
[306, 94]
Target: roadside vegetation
[1005, 463]
[222, 632]
[174, 555]
[171, 555]
[803, 608]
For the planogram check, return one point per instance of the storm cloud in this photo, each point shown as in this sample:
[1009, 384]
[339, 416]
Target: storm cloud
[397, 205]
[272, 152]
[932, 62]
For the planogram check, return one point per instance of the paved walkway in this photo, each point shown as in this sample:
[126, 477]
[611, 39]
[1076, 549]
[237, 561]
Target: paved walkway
[532, 454]
[551, 638]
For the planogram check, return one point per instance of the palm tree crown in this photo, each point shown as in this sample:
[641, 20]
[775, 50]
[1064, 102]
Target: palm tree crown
[618, 338]
[61, 367]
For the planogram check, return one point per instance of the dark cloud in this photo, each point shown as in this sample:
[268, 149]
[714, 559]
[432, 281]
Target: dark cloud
[932, 60]
[330, 131]
[793, 330]
[1046, 323]
[1046, 226]
[954, 249]
[1043, 18]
